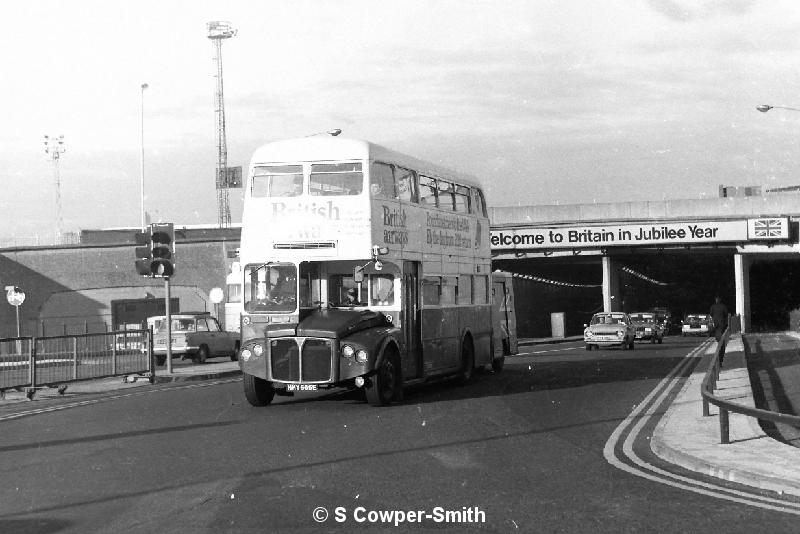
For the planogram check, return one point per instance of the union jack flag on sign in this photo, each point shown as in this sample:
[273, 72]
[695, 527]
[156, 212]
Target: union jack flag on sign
[773, 228]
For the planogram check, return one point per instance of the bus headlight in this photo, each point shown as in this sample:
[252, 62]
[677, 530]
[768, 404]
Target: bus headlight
[361, 356]
[348, 351]
[258, 350]
[246, 319]
[245, 355]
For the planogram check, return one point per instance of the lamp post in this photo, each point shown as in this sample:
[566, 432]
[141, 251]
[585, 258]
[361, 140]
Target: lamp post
[141, 161]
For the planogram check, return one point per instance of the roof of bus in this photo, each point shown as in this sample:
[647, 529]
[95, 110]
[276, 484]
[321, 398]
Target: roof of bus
[329, 148]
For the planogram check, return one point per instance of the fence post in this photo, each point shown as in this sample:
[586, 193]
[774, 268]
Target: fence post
[113, 354]
[706, 412]
[75, 358]
[32, 363]
[724, 427]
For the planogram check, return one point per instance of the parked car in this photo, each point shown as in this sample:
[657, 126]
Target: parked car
[696, 324]
[609, 329]
[648, 326]
[195, 335]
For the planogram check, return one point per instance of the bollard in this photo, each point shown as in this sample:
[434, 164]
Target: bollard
[724, 427]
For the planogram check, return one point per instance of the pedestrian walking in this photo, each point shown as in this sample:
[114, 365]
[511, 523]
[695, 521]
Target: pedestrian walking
[719, 315]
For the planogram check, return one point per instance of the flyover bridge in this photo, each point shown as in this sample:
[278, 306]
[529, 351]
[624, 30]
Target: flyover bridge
[699, 247]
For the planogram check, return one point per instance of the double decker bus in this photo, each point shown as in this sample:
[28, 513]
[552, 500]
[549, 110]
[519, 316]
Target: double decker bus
[364, 268]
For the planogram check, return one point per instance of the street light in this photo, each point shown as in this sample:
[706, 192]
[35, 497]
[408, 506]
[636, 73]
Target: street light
[763, 108]
[141, 161]
[333, 133]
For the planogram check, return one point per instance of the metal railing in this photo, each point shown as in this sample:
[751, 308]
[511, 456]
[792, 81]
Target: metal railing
[33, 362]
[726, 406]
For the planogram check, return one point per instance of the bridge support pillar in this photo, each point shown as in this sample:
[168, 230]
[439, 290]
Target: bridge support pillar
[612, 299]
[741, 272]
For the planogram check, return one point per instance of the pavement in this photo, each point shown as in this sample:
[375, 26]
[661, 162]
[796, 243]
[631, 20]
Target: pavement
[683, 436]
[686, 438]
[182, 371]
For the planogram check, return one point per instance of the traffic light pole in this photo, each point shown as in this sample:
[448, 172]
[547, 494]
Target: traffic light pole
[169, 325]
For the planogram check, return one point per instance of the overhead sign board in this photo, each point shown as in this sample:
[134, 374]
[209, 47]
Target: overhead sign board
[683, 233]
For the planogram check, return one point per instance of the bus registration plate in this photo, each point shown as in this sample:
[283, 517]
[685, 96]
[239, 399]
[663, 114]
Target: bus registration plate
[301, 387]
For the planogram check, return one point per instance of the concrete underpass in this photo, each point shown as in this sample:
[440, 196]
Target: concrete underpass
[636, 256]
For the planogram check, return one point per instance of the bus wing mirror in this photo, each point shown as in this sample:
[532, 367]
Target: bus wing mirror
[358, 274]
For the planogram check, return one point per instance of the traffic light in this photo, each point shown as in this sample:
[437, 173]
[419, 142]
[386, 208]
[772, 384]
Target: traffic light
[162, 249]
[143, 256]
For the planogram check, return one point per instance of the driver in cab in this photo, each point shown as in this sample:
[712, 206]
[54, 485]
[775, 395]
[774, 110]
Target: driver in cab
[351, 297]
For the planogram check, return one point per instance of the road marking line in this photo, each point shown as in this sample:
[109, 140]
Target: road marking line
[656, 474]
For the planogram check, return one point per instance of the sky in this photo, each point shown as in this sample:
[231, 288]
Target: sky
[545, 101]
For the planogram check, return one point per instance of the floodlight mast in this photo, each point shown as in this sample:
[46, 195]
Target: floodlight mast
[217, 32]
[54, 147]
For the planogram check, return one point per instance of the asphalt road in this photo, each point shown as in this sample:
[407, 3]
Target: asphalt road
[522, 451]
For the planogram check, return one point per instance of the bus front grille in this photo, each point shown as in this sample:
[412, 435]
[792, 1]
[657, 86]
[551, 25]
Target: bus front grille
[301, 359]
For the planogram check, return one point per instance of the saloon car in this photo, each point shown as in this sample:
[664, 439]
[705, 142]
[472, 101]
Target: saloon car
[609, 329]
[648, 326]
[195, 335]
[696, 324]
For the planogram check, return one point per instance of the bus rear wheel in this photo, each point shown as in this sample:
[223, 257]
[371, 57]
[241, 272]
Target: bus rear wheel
[467, 370]
[384, 385]
[257, 391]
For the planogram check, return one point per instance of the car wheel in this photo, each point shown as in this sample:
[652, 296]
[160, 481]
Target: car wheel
[653, 339]
[385, 383]
[161, 359]
[235, 354]
[588, 347]
[202, 354]
[257, 391]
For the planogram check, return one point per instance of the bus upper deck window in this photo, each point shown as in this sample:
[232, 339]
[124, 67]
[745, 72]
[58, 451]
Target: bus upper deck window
[406, 184]
[277, 181]
[427, 191]
[381, 180]
[336, 179]
[446, 195]
[462, 199]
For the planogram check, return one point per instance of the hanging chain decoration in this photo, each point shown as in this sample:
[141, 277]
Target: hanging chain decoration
[643, 277]
[552, 282]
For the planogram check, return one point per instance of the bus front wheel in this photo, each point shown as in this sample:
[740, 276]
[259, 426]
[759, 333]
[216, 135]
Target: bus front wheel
[257, 391]
[384, 385]
[497, 364]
